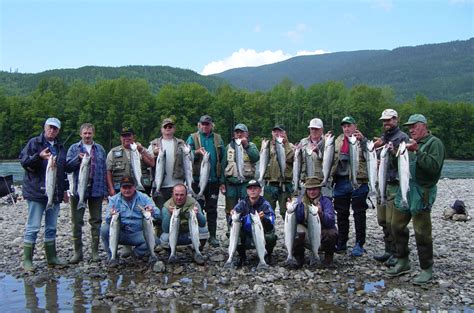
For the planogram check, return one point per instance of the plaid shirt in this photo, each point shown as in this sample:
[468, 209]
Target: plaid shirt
[99, 185]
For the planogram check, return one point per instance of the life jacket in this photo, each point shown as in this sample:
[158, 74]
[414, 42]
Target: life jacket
[122, 166]
[231, 168]
[178, 169]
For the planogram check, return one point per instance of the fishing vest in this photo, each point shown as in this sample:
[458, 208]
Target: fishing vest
[272, 173]
[178, 169]
[231, 168]
[362, 176]
[198, 158]
[317, 162]
[122, 166]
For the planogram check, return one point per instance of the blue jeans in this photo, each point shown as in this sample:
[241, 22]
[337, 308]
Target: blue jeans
[35, 215]
[184, 238]
[136, 239]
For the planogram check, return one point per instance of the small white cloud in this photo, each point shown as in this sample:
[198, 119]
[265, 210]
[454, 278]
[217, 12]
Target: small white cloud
[257, 28]
[297, 33]
[386, 5]
[250, 57]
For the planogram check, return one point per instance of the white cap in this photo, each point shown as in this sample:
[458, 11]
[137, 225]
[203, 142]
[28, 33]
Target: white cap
[315, 123]
[388, 114]
[53, 122]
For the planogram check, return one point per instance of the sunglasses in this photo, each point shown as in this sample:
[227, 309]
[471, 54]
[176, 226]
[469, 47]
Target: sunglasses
[167, 126]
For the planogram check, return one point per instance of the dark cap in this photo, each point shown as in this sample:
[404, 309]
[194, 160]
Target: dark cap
[252, 183]
[127, 181]
[241, 127]
[205, 119]
[279, 127]
[313, 182]
[126, 130]
[167, 121]
[348, 120]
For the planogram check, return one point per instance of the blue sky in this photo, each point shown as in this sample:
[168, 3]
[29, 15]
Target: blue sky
[212, 36]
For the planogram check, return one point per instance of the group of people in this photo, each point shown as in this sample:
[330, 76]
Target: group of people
[232, 171]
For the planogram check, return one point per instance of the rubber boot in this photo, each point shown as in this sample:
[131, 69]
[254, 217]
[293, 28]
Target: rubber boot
[213, 242]
[242, 256]
[328, 259]
[202, 244]
[392, 261]
[28, 250]
[385, 255]
[78, 256]
[51, 255]
[425, 276]
[298, 249]
[95, 249]
[402, 267]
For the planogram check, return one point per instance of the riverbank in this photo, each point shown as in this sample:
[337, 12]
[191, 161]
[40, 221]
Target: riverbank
[354, 283]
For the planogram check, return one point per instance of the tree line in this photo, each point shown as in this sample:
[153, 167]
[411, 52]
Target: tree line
[110, 104]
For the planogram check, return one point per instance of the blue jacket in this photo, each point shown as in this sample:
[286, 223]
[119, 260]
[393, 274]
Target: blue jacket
[328, 217]
[244, 207]
[35, 169]
[99, 185]
[130, 214]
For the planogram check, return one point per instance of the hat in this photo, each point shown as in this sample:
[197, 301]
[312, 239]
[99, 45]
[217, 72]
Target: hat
[205, 119]
[388, 114]
[315, 123]
[348, 120]
[127, 181]
[53, 122]
[167, 121]
[415, 118]
[279, 127]
[126, 130]
[459, 207]
[252, 183]
[313, 182]
[241, 127]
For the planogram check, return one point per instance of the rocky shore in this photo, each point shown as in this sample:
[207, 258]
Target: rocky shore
[353, 283]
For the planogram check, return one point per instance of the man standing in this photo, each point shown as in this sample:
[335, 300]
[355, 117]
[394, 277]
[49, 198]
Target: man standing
[236, 186]
[96, 190]
[34, 159]
[344, 192]
[312, 148]
[202, 141]
[427, 154]
[392, 136]
[279, 185]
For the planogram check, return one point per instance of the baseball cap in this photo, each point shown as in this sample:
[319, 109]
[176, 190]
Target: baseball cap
[388, 114]
[53, 122]
[127, 181]
[348, 120]
[315, 123]
[279, 127]
[205, 119]
[126, 130]
[252, 183]
[416, 118]
[241, 127]
[167, 121]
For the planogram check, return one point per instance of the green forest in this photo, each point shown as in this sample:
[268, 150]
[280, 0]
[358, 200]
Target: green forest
[109, 104]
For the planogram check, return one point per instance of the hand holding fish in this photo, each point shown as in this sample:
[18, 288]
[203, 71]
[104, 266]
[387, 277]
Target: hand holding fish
[412, 145]
[358, 134]
[45, 154]
[200, 151]
[261, 215]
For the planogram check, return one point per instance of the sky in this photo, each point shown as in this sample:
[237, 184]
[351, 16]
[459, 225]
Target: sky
[213, 36]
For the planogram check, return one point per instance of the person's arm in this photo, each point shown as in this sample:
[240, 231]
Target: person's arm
[253, 153]
[299, 213]
[431, 160]
[30, 159]
[73, 161]
[328, 215]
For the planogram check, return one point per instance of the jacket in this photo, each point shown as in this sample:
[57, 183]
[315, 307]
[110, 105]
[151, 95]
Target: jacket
[184, 215]
[251, 156]
[244, 207]
[328, 217]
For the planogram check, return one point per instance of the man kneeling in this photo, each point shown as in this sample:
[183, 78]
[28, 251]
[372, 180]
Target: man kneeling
[129, 221]
[183, 224]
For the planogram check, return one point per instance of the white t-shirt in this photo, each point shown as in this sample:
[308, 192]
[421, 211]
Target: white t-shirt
[88, 148]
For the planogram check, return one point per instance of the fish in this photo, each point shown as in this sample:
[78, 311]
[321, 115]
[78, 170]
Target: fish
[281, 156]
[263, 163]
[403, 173]
[83, 181]
[50, 181]
[328, 157]
[204, 175]
[174, 233]
[188, 168]
[70, 179]
[239, 159]
[149, 234]
[258, 236]
[290, 231]
[160, 169]
[233, 238]
[136, 166]
[371, 158]
[382, 174]
[354, 159]
[297, 168]
[194, 231]
[314, 232]
[114, 233]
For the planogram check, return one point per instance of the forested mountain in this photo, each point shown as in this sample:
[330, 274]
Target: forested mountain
[442, 71]
[156, 76]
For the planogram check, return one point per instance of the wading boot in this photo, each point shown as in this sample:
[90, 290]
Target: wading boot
[382, 257]
[328, 259]
[28, 249]
[392, 261]
[298, 250]
[95, 249]
[425, 276]
[51, 255]
[402, 267]
[78, 256]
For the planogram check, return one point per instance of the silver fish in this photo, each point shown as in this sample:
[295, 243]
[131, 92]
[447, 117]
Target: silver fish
[382, 174]
[149, 234]
[114, 233]
[371, 158]
[194, 231]
[204, 175]
[160, 169]
[328, 157]
[136, 165]
[290, 231]
[188, 168]
[354, 159]
[403, 173]
[314, 232]
[50, 181]
[174, 233]
[258, 236]
[83, 181]
[308, 155]
[233, 238]
[263, 162]
[70, 179]
[297, 168]
[281, 156]
[239, 159]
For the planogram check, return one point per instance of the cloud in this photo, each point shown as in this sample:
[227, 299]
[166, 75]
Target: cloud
[257, 28]
[386, 5]
[250, 57]
[297, 33]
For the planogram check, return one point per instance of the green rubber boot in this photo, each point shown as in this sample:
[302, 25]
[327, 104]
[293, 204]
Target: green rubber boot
[51, 256]
[95, 249]
[425, 276]
[402, 267]
[78, 256]
[28, 250]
